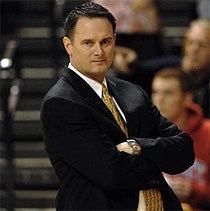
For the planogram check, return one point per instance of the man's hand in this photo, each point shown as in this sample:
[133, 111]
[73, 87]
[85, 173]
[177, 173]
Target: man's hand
[130, 146]
[123, 58]
[124, 146]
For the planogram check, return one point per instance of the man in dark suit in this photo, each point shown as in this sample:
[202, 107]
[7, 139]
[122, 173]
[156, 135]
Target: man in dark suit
[101, 163]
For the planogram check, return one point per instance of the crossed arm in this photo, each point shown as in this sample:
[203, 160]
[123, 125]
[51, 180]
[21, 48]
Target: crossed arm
[73, 136]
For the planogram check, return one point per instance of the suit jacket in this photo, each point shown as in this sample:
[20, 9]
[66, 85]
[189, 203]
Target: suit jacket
[81, 134]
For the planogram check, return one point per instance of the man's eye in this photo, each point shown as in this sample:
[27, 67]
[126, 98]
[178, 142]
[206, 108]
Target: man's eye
[106, 42]
[87, 43]
[168, 93]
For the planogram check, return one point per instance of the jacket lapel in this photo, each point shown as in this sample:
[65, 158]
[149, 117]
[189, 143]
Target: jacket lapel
[91, 98]
[127, 107]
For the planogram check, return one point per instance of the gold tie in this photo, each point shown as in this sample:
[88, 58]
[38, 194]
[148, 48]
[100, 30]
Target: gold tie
[152, 196]
[153, 201]
[111, 106]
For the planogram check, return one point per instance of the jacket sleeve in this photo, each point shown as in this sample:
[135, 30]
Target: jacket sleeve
[170, 148]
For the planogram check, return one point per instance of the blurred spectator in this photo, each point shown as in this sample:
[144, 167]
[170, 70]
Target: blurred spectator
[171, 93]
[133, 16]
[123, 57]
[195, 61]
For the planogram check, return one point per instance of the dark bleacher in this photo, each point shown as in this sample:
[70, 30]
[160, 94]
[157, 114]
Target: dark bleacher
[26, 177]
[175, 17]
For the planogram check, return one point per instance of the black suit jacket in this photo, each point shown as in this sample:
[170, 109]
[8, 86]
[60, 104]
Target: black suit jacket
[81, 135]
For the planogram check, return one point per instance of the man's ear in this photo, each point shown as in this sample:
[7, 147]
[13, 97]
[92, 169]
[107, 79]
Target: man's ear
[115, 35]
[68, 45]
[188, 98]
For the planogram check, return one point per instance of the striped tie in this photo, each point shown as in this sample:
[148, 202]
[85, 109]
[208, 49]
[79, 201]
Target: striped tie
[111, 106]
[153, 201]
[152, 197]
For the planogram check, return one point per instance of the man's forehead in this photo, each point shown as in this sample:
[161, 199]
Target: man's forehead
[198, 30]
[92, 26]
[168, 82]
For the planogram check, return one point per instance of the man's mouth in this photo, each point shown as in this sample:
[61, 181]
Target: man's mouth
[99, 61]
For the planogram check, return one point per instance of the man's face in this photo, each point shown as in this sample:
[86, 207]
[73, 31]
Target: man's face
[168, 97]
[197, 49]
[91, 48]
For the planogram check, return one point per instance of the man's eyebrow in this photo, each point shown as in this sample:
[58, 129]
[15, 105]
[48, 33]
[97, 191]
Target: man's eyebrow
[85, 40]
[90, 39]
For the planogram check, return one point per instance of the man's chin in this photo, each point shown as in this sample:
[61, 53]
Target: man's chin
[100, 69]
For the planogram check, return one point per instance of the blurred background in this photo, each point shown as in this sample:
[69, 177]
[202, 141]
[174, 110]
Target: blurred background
[32, 57]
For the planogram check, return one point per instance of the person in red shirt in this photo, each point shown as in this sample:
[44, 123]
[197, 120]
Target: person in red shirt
[171, 93]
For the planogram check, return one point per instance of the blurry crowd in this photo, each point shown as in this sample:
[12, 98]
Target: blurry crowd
[178, 85]
[133, 16]
[180, 89]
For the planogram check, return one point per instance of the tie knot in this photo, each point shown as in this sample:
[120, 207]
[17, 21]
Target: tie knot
[105, 93]
[104, 88]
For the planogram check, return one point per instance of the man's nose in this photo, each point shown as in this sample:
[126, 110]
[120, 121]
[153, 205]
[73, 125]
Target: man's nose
[98, 50]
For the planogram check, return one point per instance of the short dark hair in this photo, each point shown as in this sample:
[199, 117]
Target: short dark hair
[176, 73]
[90, 10]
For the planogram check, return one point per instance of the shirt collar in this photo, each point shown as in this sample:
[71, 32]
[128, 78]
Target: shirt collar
[96, 86]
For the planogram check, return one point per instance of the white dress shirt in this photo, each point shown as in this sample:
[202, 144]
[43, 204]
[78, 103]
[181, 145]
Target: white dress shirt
[97, 87]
